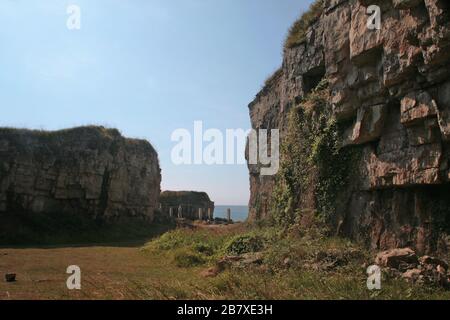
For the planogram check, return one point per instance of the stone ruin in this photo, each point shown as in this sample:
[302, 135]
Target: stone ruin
[189, 205]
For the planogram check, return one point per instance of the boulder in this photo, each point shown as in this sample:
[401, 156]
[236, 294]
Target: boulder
[395, 257]
[434, 262]
[412, 275]
[403, 263]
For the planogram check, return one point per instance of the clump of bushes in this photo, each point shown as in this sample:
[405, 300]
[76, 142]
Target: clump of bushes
[246, 243]
[181, 238]
[190, 248]
[205, 248]
[297, 33]
[185, 259]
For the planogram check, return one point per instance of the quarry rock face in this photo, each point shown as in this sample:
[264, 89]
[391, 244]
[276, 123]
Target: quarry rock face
[390, 89]
[192, 204]
[86, 170]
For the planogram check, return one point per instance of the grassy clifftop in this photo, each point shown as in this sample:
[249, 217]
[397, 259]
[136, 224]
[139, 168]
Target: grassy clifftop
[176, 197]
[297, 32]
[91, 132]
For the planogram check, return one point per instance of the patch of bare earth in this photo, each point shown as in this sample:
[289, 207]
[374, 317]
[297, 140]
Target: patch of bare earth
[106, 273]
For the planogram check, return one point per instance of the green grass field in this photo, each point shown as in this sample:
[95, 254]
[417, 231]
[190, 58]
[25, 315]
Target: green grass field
[297, 265]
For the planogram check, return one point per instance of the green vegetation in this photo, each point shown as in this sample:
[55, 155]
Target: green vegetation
[188, 259]
[177, 197]
[71, 133]
[297, 33]
[100, 137]
[315, 169]
[197, 247]
[298, 263]
[246, 243]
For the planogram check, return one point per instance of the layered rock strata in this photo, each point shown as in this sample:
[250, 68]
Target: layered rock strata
[87, 170]
[390, 89]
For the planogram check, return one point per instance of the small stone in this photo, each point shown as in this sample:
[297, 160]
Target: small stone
[427, 260]
[252, 258]
[441, 270]
[210, 272]
[227, 262]
[412, 275]
[287, 262]
[10, 277]
[396, 257]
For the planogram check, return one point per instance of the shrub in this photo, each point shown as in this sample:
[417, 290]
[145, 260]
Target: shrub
[204, 248]
[185, 259]
[244, 244]
[170, 240]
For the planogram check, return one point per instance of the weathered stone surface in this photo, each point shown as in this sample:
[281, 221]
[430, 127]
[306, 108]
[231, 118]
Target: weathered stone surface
[390, 91]
[417, 106]
[412, 275]
[444, 110]
[189, 201]
[368, 126]
[393, 258]
[86, 170]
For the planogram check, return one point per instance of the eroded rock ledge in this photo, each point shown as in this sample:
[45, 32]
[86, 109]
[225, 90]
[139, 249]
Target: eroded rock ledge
[85, 170]
[390, 89]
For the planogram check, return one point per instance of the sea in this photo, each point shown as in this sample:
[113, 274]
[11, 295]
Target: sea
[238, 213]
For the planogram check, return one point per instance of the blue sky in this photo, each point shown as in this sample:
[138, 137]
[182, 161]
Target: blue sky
[146, 67]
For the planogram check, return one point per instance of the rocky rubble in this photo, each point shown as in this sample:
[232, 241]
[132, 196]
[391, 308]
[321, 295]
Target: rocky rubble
[87, 170]
[390, 92]
[404, 263]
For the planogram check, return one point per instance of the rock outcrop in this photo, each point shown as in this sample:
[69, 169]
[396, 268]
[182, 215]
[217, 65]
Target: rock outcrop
[187, 204]
[87, 170]
[390, 92]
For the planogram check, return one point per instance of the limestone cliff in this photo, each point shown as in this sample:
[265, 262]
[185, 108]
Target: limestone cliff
[86, 170]
[389, 93]
[191, 203]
